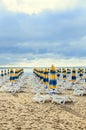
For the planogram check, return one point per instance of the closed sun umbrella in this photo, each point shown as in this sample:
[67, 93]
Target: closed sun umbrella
[8, 72]
[41, 75]
[53, 79]
[12, 76]
[58, 73]
[64, 74]
[73, 75]
[46, 79]
[1, 77]
[2, 73]
[68, 71]
[16, 74]
[5, 73]
[85, 71]
[81, 72]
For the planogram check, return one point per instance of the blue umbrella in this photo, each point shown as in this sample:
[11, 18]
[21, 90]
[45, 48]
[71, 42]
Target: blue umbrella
[64, 74]
[81, 72]
[2, 74]
[73, 75]
[53, 79]
[12, 76]
[46, 78]
[58, 73]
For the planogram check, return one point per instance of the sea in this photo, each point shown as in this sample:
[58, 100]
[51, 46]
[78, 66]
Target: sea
[28, 70]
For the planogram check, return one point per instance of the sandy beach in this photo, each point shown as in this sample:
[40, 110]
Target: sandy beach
[42, 64]
[19, 112]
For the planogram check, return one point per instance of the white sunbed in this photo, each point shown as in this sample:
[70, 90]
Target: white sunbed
[79, 92]
[60, 90]
[15, 87]
[41, 98]
[36, 90]
[68, 85]
[62, 99]
[9, 88]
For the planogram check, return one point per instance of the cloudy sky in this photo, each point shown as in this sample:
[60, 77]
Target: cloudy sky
[42, 32]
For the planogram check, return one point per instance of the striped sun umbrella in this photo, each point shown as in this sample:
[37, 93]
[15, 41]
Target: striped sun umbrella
[12, 76]
[81, 72]
[73, 75]
[2, 74]
[5, 73]
[64, 74]
[8, 72]
[41, 75]
[68, 71]
[53, 79]
[16, 74]
[58, 73]
[46, 79]
[85, 71]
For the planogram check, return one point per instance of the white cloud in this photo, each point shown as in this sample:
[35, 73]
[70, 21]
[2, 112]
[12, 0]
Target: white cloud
[39, 60]
[57, 62]
[47, 62]
[37, 6]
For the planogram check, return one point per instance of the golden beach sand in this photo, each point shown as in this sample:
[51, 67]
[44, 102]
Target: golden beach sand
[19, 112]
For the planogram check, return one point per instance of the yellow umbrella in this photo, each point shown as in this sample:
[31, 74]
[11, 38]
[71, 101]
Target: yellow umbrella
[12, 76]
[64, 74]
[81, 72]
[46, 79]
[41, 75]
[2, 73]
[73, 75]
[58, 73]
[53, 79]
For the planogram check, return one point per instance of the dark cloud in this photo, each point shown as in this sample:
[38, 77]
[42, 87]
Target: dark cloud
[47, 32]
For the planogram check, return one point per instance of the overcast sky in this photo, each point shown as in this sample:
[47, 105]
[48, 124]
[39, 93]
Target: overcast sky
[42, 32]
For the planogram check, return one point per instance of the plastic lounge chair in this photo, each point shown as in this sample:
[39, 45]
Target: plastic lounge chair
[36, 90]
[9, 88]
[60, 90]
[41, 98]
[47, 91]
[68, 86]
[79, 92]
[62, 99]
